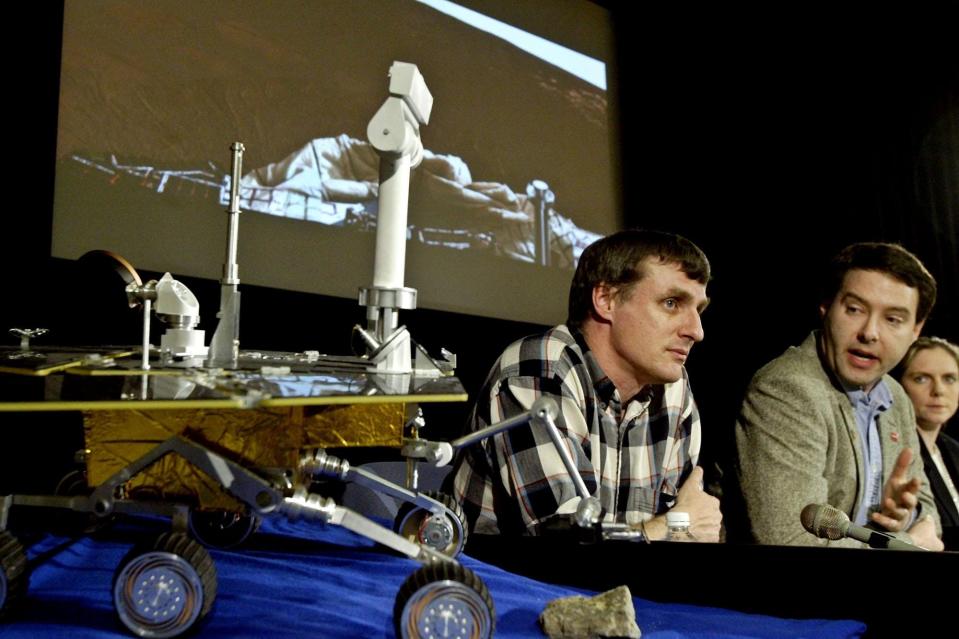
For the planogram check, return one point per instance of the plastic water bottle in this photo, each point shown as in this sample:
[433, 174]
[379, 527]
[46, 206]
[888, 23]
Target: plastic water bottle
[677, 527]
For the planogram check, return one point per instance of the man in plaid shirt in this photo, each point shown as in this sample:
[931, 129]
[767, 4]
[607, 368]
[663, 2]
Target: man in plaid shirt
[626, 412]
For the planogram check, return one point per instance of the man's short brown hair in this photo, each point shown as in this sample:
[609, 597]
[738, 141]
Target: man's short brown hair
[891, 259]
[617, 261]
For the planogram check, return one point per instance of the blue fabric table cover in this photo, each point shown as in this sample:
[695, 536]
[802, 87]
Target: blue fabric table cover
[301, 579]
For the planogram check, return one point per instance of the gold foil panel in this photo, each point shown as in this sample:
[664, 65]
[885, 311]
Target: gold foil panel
[252, 438]
[174, 478]
[354, 425]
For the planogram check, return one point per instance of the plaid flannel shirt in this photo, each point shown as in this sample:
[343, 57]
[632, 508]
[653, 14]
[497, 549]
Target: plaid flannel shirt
[641, 452]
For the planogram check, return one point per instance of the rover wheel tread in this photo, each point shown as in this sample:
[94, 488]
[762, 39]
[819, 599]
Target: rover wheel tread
[14, 573]
[418, 525]
[444, 599]
[165, 588]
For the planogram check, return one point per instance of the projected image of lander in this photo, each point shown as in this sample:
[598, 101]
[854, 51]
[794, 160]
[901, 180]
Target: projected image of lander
[333, 181]
[517, 165]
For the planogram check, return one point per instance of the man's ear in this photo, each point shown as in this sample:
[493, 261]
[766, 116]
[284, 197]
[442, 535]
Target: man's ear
[604, 299]
[917, 331]
[822, 311]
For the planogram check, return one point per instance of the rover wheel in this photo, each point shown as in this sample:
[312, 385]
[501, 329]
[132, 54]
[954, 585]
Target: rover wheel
[222, 528]
[13, 573]
[166, 588]
[445, 533]
[444, 600]
[74, 484]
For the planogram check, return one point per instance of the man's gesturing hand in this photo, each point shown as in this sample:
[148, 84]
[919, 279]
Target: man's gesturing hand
[899, 496]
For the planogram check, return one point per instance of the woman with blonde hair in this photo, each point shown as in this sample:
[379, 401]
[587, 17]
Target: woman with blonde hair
[930, 375]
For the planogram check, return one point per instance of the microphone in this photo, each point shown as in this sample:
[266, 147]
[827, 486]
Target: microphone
[828, 522]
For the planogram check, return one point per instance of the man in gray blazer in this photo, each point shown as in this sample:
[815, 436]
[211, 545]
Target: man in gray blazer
[824, 423]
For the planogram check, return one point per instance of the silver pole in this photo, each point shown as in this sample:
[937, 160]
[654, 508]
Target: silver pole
[225, 345]
[230, 270]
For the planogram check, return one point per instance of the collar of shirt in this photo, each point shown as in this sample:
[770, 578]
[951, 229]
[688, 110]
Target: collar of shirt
[606, 391]
[878, 399]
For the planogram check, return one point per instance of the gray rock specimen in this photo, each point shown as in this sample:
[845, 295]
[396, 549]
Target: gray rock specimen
[606, 615]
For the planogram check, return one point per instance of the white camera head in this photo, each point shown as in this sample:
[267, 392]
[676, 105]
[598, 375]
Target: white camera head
[407, 82]
[175, 301]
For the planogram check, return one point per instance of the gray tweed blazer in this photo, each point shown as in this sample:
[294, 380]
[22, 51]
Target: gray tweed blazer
[797, 443]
